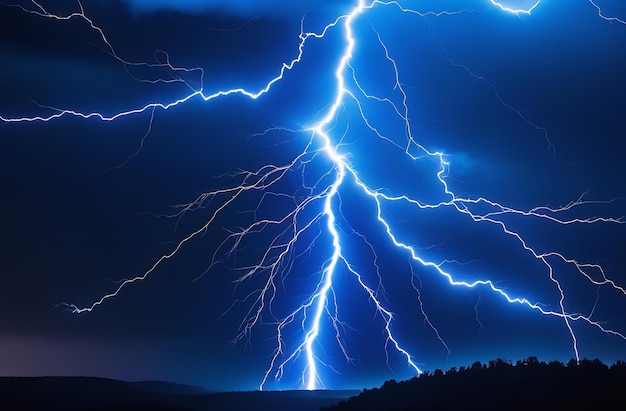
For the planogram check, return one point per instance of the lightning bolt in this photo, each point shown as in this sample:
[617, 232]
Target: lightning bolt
[514, 10]
[320, 208]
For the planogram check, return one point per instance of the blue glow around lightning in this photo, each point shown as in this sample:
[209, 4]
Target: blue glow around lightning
[275, 261]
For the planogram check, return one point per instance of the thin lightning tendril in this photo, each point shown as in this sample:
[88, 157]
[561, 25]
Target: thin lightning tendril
[277, 259]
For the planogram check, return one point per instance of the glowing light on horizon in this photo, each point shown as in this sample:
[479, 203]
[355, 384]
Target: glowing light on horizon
[324, 198]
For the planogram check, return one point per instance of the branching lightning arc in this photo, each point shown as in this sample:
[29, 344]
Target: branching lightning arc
[322, 209]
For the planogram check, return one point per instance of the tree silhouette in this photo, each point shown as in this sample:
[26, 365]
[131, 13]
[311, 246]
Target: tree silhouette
[500, 385]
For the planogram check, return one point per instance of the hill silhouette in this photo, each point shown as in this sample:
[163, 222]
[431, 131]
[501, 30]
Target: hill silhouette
[82, 393]
[102, 394]
[498, 385]
[501, 385]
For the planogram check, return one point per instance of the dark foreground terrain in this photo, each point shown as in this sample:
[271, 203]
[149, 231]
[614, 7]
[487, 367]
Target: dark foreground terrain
[101, 394]
[501, 385]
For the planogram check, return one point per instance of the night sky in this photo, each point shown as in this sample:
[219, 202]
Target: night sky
[529, 110]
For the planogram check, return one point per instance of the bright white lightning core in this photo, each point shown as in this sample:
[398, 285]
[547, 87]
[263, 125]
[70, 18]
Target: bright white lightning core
[319, 312]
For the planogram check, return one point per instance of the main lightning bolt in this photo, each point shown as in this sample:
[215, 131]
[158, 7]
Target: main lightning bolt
[321, 206]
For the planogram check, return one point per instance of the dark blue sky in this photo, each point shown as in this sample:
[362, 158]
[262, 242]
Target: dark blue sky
[529, 110]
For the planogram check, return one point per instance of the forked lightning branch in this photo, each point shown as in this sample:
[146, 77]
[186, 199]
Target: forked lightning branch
[319, 311]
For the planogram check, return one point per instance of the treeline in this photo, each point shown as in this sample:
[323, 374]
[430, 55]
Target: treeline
[501, 385]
